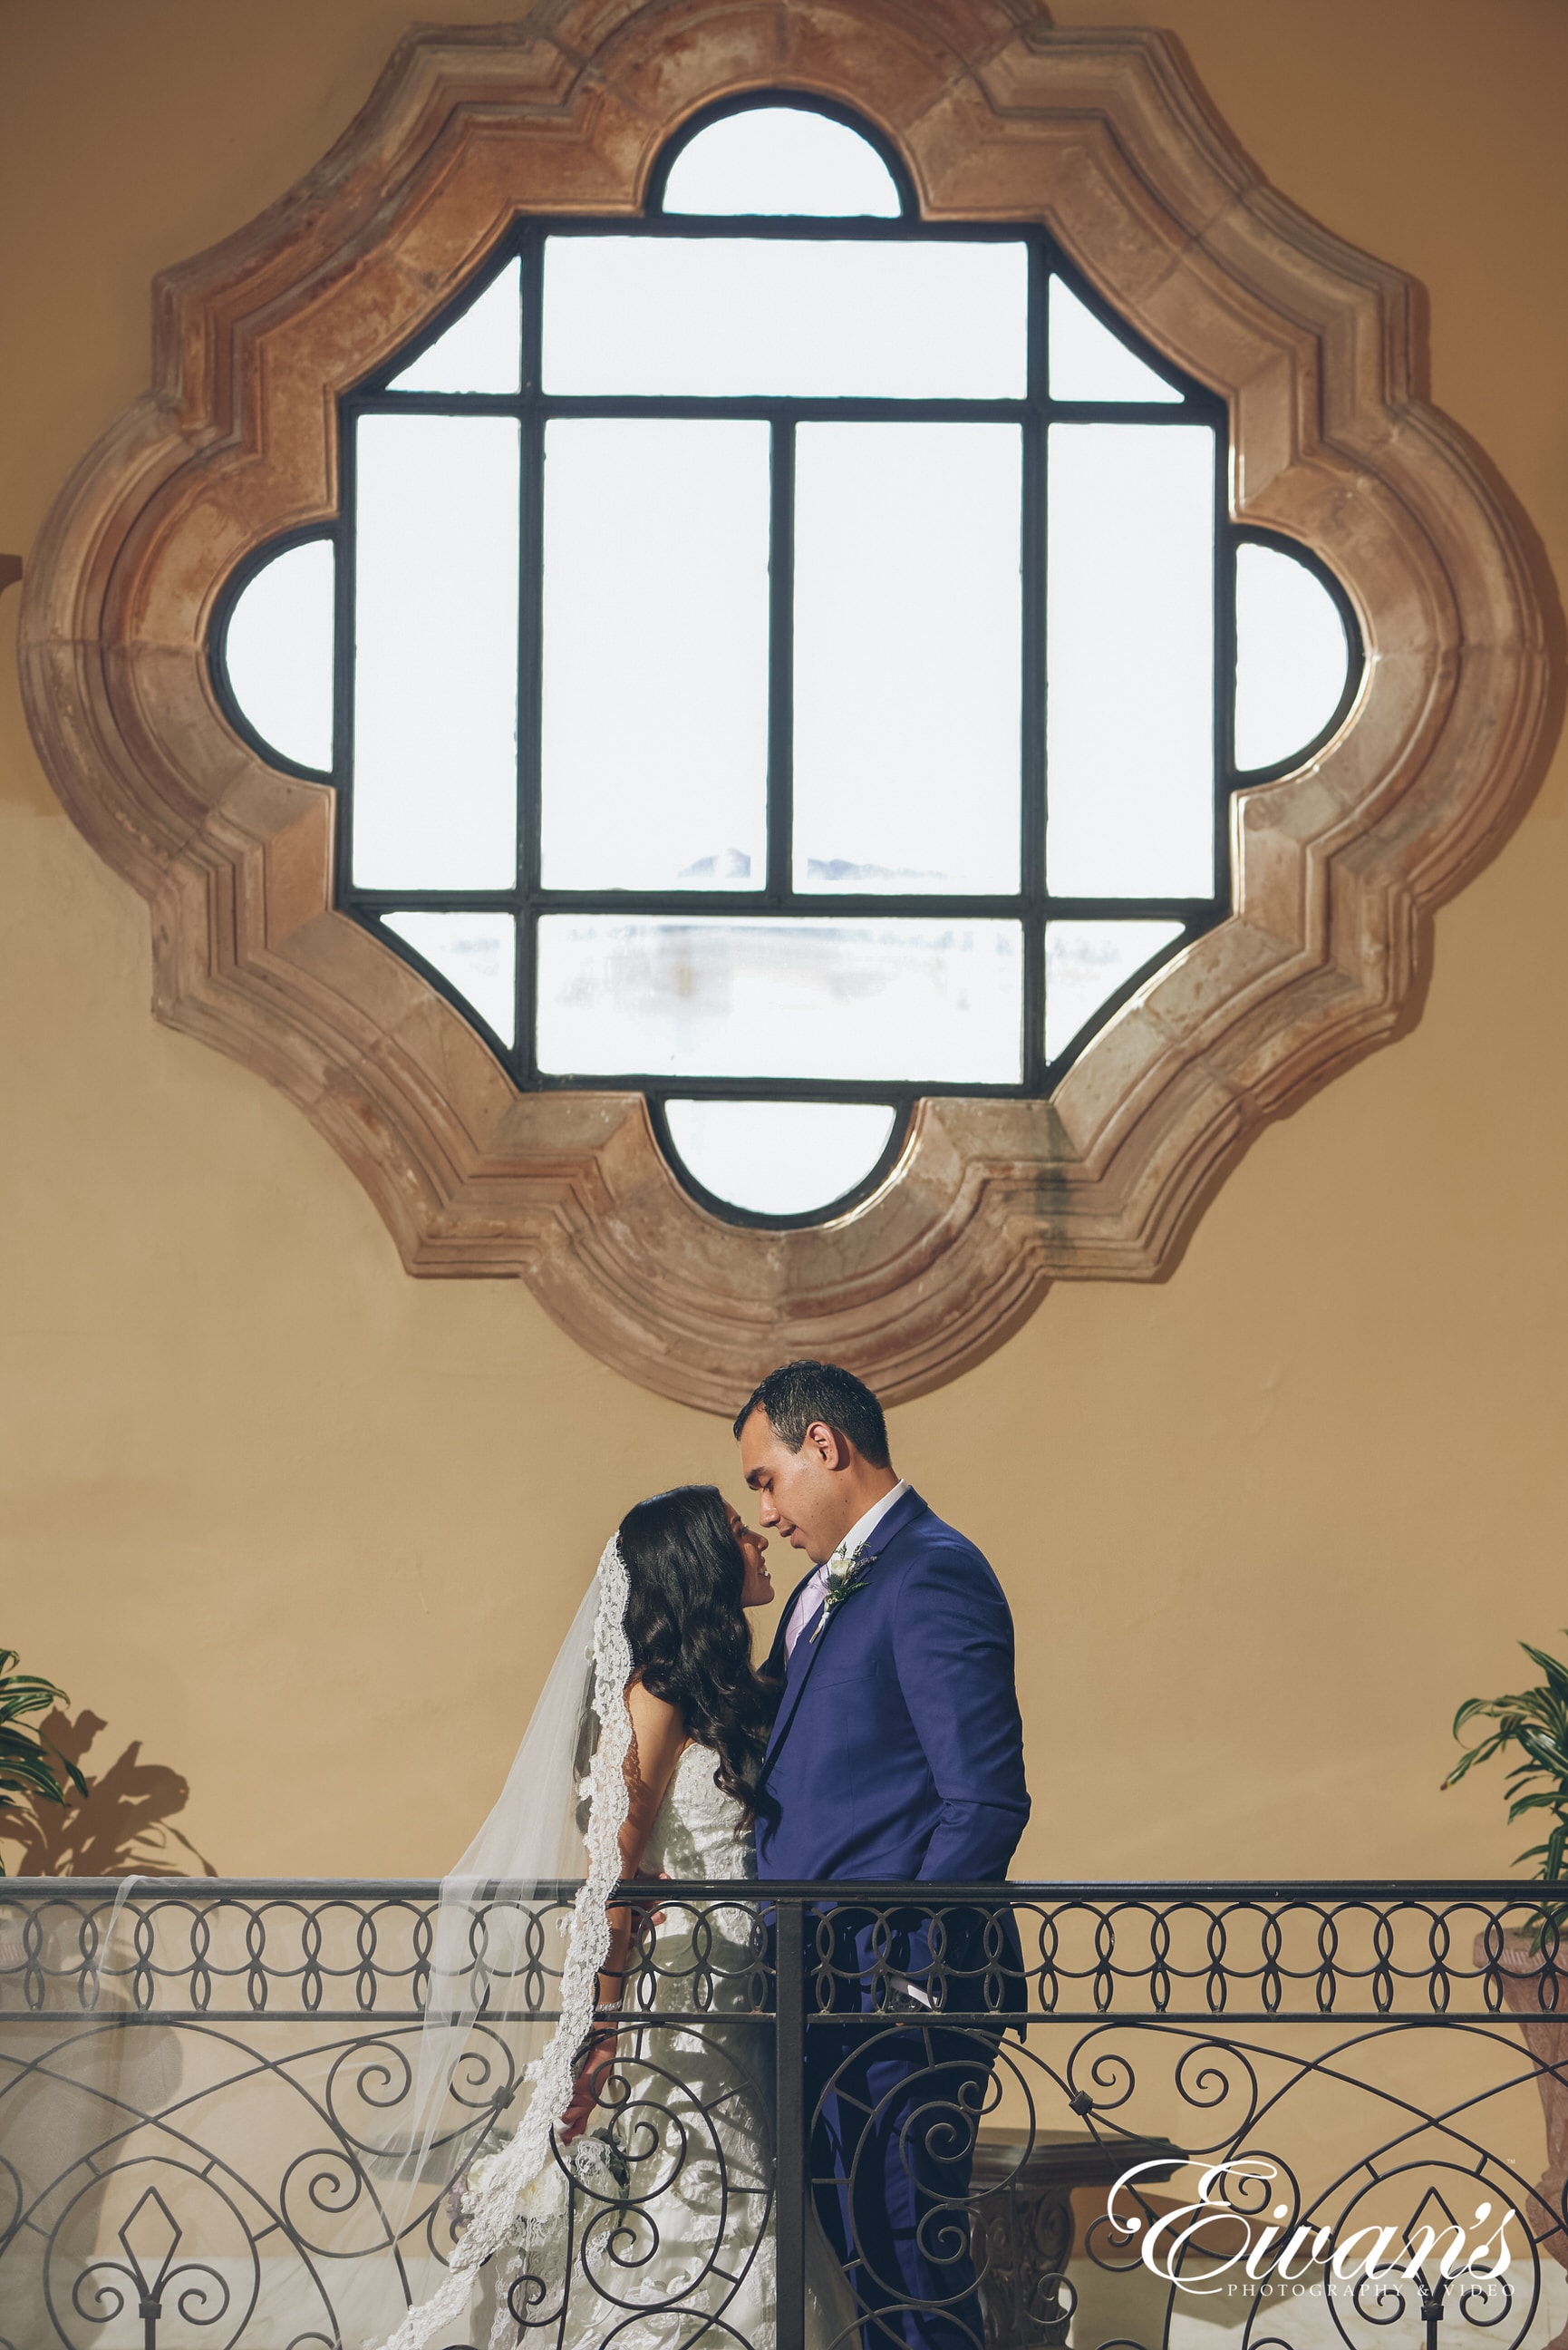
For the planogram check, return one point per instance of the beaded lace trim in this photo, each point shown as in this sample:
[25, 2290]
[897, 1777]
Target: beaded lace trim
[521, 2161]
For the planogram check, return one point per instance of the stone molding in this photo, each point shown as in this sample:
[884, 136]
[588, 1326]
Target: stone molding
[1107, 139]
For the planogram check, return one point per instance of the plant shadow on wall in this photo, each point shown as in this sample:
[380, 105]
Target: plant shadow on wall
[116, 1823]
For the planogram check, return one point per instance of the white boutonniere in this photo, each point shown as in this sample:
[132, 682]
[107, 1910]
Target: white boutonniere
[846, 1571]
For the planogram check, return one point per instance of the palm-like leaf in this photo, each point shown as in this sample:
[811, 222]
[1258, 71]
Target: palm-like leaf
[29, 1765]
[1536, 1721]
[1556, 1672]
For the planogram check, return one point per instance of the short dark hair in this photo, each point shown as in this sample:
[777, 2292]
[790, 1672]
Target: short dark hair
[797, 1393]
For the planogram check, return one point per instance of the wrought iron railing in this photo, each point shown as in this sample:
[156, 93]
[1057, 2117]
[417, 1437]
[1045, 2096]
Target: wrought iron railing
[890, 2115]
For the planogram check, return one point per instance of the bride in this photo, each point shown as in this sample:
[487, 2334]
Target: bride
[633, 2201]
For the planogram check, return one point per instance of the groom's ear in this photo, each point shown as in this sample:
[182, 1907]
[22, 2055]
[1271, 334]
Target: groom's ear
[832, 1448]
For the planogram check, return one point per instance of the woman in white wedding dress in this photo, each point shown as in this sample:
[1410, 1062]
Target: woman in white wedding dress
[643, 2215]
[678, 2239]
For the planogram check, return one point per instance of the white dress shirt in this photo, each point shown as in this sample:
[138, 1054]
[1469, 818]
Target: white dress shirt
[814, 1593]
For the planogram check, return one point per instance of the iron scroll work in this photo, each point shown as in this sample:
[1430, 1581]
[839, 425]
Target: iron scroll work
[193, 2112]
[1031, 906]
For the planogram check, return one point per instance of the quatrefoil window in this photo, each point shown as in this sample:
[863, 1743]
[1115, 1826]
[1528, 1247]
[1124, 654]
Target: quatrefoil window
[784, 657]
[749, 822]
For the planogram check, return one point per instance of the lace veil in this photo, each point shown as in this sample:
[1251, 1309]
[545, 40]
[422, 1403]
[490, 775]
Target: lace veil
[518, 1942]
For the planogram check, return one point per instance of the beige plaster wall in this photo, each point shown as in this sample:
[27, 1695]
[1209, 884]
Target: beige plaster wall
[310, 1530]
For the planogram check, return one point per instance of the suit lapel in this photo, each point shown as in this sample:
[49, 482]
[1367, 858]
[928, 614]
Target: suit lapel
[799, 1673]
[908, 1506]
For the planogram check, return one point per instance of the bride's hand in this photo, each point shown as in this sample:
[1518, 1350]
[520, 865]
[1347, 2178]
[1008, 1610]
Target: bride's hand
[659, 1876]
[599, 2064]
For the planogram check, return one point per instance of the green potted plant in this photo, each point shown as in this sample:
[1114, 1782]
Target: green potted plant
[29, 1765]
[1532, 1967]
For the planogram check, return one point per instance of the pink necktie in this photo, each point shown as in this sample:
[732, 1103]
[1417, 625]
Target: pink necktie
[805, 1608]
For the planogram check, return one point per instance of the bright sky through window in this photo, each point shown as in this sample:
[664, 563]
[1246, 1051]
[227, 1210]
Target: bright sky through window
[777, 1158]
[1292, 656]
[775, 676]
[279, 652]
[781, 159]
[782, 318]
[482, 352]
[656, 575]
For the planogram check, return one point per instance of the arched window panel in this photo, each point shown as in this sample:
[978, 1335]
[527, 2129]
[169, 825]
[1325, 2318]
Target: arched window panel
[481, 350]
[846, 1001]
[1091, 363]
[782, 156]
[436, 530]
[675, 315]
[1090, 969]
[273, 645]
[1132, 748]
[758, 817]
[476, 957]
[654, 653]
[779, 156]
[778, 1163]
[908, 658]
[1298, 656]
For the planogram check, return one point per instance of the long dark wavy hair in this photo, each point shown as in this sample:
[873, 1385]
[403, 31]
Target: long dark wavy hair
[688, 1631]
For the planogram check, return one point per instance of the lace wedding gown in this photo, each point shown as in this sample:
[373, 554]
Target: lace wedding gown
[665, 2236]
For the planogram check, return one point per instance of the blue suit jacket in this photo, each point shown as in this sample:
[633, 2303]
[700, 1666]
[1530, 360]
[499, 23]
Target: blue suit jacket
[898, 1751]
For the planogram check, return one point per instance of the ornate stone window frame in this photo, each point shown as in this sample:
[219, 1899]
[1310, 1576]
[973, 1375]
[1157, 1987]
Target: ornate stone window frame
[1106, 139]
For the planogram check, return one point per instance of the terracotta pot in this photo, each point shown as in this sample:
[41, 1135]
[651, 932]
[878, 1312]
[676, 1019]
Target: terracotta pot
[1520, 1971]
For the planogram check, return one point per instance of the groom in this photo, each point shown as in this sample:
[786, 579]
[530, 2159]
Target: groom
[896, 1753]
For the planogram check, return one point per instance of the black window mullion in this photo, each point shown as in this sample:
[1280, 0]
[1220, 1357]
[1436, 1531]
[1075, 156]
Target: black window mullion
[533, 319]
[530, 656]
[779, 885]
[1032, 760]
[767, 406]
[347, 541]
[889, 1093]
[1225, 778]
[856, 905]
[1128, 909]
[795, 228]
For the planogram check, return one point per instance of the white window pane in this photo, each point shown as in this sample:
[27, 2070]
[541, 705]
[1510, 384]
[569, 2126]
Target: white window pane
[1085, 963]
[1088, 362]
[781, 159]
[435, 680]
[907, 653]
[479, 351]
[478, 953]
[278, 652]
[1130, 661]
[656, 650]
[779, 1159]
[716, 316]
[1292, 656]
[886, 1001]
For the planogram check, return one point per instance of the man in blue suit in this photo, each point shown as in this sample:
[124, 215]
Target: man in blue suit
[897, 1755]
